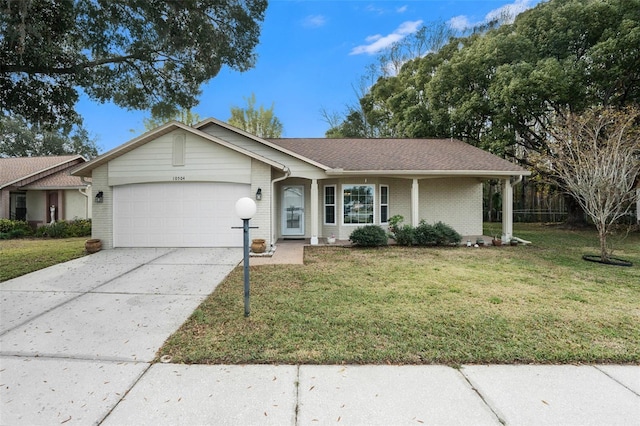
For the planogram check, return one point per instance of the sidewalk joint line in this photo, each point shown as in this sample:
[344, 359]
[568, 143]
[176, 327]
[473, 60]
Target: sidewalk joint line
[125, 393]
[616, 380]
[297, 407]
[484, 401]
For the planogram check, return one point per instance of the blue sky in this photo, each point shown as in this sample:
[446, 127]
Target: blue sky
[311, 55]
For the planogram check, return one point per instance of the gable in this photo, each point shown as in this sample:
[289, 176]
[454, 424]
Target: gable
[180, 155]
[297, 164]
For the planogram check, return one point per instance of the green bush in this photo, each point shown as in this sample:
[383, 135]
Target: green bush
[405, 235]
[369, 236]
[63, 229]
[79, 228]
[439, 234]
[446, 235]
[14, 229]
[425, 234]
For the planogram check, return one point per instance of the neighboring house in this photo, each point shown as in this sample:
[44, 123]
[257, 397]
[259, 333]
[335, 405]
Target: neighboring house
[31, 186]
[176, 186]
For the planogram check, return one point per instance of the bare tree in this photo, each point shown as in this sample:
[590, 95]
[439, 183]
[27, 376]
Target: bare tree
[595, 156]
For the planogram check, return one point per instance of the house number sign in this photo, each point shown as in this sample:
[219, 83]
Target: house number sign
[179, 178]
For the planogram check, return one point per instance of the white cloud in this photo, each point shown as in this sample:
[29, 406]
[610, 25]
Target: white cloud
[376, 43]
[402, 9]
[508, 11]
[459, 23]
[314, 21]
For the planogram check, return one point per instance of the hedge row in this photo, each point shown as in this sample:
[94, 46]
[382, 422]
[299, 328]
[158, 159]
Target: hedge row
[10, 229]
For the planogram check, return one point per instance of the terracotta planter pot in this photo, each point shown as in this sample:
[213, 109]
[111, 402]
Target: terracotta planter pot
[93, 246]
[258, 245]
[496, 242]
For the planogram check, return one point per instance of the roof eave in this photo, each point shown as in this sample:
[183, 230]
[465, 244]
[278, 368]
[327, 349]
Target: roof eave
[277, 147]
[470, 173]
[4, 185]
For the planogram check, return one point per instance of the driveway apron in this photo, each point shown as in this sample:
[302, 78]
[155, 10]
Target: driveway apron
[76, 336]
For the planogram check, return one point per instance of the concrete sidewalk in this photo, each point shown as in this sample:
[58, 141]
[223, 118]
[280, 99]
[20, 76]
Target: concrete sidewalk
[77, 342]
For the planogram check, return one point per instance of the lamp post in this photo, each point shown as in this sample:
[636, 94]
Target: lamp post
[245, 209]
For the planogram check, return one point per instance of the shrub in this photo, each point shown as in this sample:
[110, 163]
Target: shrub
[446, 235]
[79, 228]
[424, 234]
[14, 229]
[63, 229]
[405, 235]
[369, 236]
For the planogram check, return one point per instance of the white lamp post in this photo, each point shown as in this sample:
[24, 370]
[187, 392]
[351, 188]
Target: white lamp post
[245, 209]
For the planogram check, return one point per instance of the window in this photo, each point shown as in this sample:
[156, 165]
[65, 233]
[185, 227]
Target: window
[384, 204]
[330, 205]
[358, 204]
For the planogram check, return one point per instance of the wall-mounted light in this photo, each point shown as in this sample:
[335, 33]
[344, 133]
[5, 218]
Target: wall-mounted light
[99, 197]
[259, 194]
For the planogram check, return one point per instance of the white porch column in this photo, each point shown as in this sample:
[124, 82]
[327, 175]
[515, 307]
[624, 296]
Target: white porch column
[507, 210]
[415, 203]
[314, 212]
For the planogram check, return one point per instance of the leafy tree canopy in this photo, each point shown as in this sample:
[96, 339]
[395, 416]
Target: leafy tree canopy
[22, 139]
[140, 54]
[501, 87]
[185, 116]
[261, 122]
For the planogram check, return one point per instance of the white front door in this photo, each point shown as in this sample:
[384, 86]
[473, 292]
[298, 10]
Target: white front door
[293, 210]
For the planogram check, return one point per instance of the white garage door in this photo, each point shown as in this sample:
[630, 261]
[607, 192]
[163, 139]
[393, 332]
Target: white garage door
[177, 214]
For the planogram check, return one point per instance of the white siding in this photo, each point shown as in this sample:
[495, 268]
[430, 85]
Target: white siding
[205, 161]
[297, 167]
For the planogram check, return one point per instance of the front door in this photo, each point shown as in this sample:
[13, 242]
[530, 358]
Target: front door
[293, 210]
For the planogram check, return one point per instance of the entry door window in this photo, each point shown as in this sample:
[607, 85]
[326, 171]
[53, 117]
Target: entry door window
[293, 210]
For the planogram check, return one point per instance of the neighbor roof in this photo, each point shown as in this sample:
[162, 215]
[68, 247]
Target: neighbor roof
[436, 156]
[40, 171]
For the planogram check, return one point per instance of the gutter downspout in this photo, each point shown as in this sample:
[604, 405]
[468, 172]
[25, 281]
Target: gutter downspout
[85, 192]
[287, 173]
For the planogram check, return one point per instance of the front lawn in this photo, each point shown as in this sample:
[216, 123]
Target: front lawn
[525, 304]
[21, 256]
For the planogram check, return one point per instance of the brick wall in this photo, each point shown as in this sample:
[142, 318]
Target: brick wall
[456, 202]
[102, 220]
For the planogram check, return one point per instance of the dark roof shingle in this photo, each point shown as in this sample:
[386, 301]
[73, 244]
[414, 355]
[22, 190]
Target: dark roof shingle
[397, 154]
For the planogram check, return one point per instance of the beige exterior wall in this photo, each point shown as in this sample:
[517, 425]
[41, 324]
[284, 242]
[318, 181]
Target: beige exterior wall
[102, 221]
[297, 167]
[36, 207]
[261, 178]
[75, 205]
[204, 161]
[455, 202]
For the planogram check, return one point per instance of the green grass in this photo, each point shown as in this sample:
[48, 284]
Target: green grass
[533, 304]
[21, 256]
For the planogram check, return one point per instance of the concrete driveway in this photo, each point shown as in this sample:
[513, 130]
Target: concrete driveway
[76, 336]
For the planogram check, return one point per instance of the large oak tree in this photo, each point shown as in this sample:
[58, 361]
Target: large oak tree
[140, 54]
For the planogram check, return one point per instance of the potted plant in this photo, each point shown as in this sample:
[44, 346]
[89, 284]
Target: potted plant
[258, 245]
[496, 241]
[331, 239]
[93, 245]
